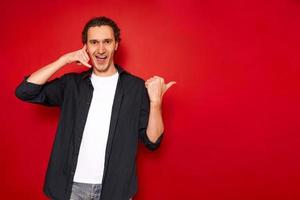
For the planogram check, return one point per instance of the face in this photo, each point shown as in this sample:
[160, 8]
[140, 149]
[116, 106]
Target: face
[101, 47]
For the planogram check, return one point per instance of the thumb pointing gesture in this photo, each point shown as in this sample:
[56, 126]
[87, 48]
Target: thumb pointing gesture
[156, 87]
[170, 84]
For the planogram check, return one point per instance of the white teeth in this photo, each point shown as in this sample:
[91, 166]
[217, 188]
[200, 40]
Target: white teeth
[101, 56]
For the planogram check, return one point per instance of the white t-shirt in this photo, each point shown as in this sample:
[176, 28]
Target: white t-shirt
[90, 164]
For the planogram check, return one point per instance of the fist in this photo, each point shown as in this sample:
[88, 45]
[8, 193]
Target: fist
[156, 88]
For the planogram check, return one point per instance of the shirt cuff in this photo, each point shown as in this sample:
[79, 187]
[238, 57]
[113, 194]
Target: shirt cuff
[30, 88]
[153, 145]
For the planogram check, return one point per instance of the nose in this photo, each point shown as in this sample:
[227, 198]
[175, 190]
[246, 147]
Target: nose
[101, 48]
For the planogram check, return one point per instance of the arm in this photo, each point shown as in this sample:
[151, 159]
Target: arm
[155, 126]
[144, 119]
[36, 89]
[156, 89]
[41, 76]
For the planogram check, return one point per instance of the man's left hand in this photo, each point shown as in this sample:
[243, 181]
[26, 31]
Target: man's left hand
[156, 88]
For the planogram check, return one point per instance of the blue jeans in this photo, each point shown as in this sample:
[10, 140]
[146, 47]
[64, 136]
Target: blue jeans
[86, 191]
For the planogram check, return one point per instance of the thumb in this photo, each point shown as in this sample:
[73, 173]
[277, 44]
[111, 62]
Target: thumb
[170, 84]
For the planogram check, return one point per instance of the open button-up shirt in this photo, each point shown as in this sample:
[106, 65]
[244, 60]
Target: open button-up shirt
[130, 113]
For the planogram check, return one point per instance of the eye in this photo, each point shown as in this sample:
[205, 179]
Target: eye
[107, 41]
[93, 42]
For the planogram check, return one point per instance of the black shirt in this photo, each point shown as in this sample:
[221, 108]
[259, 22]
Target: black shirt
[130, 112]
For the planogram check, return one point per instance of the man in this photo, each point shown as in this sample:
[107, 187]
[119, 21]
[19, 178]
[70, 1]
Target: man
[104, 111]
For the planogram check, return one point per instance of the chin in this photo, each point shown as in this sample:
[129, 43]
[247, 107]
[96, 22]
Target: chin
[101, 68]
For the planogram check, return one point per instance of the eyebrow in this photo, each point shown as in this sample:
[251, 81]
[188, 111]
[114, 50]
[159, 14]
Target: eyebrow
[95, 40]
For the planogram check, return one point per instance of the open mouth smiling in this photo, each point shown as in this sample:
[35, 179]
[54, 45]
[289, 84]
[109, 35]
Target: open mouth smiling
[100, 57]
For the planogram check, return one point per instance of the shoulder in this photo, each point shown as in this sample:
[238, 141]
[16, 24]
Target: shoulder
[132, 84]
[132, 79]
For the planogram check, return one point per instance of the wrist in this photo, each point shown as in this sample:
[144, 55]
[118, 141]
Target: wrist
[155, 103]
[63, 60]
[59, 63]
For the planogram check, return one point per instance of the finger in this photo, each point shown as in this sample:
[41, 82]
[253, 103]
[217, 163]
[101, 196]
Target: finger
[159, 78]
[152, 79]
[85, 63]
[149, 80]
[86, 59]
[147, 85]
[85, 56]
[170, 84]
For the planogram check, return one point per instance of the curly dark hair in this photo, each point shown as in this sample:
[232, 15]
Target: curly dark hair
[100, 21]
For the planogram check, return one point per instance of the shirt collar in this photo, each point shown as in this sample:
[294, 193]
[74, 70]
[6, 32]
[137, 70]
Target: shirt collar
[88, 73]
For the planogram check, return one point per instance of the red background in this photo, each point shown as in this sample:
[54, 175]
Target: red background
[231, 121]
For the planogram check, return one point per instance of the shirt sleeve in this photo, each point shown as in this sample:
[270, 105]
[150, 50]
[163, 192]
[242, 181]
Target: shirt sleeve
[143, 122]
[49, 94]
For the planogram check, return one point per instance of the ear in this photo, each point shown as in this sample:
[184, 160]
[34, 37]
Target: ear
[85, 48]
[117, 45]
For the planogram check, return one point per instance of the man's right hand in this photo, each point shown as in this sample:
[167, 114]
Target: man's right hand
[42, 75]
[80, 56]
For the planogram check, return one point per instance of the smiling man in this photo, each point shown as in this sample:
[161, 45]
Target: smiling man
[104, 111]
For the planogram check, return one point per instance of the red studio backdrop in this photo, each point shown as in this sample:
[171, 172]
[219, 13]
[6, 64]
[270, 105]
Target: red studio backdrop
[232, 126]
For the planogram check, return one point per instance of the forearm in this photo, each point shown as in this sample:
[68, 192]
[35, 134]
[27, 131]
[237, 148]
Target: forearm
[155, 123]
[42, 75]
